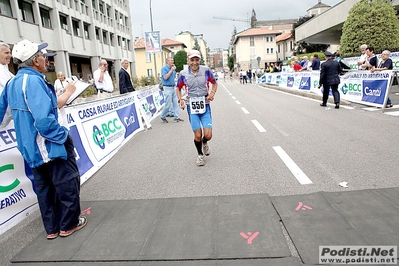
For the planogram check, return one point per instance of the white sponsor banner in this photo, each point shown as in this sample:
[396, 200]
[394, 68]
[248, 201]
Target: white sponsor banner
[17, 196]
[358, 86]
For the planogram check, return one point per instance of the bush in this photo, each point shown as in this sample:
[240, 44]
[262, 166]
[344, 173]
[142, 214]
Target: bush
[88, 92]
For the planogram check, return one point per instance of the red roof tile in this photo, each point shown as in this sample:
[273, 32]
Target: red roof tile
[284, 36]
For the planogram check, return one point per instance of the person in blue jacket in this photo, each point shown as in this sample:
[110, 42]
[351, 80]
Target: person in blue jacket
[45, 145]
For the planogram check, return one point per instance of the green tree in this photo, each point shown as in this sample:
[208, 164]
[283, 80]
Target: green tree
[372, 22]
[180, 59]
[230, 63]
[197, 47]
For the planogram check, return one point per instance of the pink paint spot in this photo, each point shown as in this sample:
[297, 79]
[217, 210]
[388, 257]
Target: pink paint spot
[301, 206]
[86, 211]
[249, 236]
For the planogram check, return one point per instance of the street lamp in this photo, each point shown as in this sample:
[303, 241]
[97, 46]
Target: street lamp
[155, 59]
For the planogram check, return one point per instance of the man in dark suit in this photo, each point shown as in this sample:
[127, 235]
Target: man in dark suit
[329, 78]
[125, 83]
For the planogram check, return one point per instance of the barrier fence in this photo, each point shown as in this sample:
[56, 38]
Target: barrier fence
[357, 86]
[99, 129]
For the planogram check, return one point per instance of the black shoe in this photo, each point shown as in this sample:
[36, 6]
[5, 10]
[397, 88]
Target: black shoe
[323, 104]
[178, 120]
[164, 120]
[337, 106]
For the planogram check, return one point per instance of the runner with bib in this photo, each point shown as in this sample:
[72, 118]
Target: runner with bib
[196, 81]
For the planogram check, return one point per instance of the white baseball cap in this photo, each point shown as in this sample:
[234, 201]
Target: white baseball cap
[44, 51]
[194, 53]
[25, 49]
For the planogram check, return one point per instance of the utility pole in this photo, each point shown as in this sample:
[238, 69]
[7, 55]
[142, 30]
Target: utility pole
[155, 59]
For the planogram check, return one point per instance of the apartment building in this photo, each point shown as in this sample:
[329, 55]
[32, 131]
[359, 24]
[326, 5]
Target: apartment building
[255, 47]
[80, 32]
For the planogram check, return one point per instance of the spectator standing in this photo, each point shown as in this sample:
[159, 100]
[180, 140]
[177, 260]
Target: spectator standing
[363, 56]
[385, 64]
[306, 64]
[60, 83]
[249, 75]
[329, 79]
[102, 78]
[5, 58]
[5, 75]
[195, 81]
[295, 65]
[125, 83]
[168, 74]
[316, 62]
[371, 59]
[67, 89]
[45, 145]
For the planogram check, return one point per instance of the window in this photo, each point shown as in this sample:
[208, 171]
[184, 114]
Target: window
[45, 15]
[97, 33]
[149, 72]
[93, 3]
[251, 41]
[278, 48]
[75, 27]
[271, 50]
[123, 43]
[148, 57]
[105, 39]
[108, 11]
[64, 23]
[26, 11]
[111, 39]
[5, 8]
[86, 30]
[101, 8]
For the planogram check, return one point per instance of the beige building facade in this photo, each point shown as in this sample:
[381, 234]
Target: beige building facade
[254, 48]
[146, 64]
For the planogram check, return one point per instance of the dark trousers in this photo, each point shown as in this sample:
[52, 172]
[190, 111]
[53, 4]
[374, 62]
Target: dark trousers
[57, 186]
[335, 93]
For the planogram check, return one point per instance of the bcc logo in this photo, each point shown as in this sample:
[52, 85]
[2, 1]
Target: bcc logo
[106, 129]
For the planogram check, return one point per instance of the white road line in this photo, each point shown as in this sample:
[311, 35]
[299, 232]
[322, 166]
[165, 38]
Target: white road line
[292, 166]
[395, 113]
[238, 102]
[234, 98]
[258, 126]
[245, 110]
[279, 130]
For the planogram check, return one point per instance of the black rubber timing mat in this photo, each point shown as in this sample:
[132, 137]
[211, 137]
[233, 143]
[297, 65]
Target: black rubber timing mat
[357, 218]
[221, 230]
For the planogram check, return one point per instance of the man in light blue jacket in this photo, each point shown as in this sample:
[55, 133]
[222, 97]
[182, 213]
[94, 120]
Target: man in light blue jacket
[45, 145]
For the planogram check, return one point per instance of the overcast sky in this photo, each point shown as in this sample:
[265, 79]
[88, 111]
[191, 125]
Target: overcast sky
[174, 16]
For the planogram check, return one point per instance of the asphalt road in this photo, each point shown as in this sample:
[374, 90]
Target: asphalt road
[265, 141]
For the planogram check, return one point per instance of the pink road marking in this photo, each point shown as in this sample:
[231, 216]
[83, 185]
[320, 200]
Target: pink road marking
[249, 236]
[302, 206]
[86, 211]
